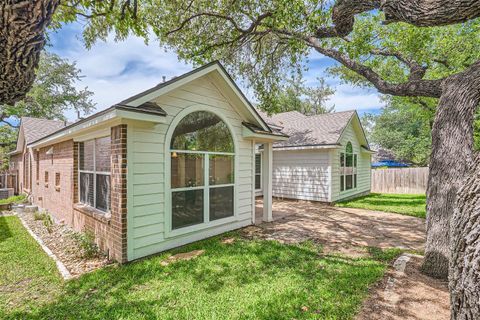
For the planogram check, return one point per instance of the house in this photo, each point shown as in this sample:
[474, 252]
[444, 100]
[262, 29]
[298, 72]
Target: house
[326, 157]
[169, 166]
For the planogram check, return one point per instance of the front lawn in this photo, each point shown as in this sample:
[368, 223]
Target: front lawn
[246, 279]
[28, 277]
[407, 204]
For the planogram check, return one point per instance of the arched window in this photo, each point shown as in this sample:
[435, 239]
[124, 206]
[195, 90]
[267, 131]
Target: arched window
[202, 170]
[348, 168]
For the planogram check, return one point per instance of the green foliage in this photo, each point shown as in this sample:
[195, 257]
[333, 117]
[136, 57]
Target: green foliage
[46, 218]
[403, 127]
[296, 96]
[406, 204]
[14, 199]
[53, 92]
[86, 242]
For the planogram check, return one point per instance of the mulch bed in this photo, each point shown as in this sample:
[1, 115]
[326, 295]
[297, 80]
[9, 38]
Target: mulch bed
[61, 241]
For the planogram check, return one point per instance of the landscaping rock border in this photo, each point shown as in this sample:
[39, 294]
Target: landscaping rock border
[59, 239]
[60, 266]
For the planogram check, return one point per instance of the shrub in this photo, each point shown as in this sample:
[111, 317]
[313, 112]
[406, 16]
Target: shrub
[86, 241]
[46, 218]
[15, 199]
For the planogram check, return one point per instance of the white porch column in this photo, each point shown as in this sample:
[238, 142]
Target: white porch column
[267, 166]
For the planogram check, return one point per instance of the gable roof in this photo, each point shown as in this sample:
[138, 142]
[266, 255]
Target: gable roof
[318, 130]
[33, 129]
[174, 83]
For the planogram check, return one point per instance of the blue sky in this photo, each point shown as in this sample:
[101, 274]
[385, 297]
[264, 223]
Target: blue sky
[117, 70]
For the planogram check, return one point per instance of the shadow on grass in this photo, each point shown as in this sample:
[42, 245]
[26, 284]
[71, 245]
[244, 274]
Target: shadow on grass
[5, 231]
[246, 279]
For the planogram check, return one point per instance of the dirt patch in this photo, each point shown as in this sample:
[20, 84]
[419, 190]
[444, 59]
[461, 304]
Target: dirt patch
[339, 229]
[59, 238]
[407, 296]
[182, 256]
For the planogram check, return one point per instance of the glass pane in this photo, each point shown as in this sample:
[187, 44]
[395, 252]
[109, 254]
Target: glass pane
[202, 131]
[349, 160]
[86, 188]
[221, 203]
[187, 170]
[355, 160]
[102, 154]
[349, 148]
[342, 160]
[221, 169]
[348, 182]
[103, 192]
[342, 186]
[258, 163]
[354, 180]
[258, 183]
[85, 153]
[187, 208]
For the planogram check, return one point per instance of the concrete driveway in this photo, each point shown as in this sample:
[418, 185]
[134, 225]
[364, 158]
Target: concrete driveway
[342, 230]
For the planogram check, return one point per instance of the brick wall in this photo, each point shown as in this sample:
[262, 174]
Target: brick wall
[118, 171]
[61, 200]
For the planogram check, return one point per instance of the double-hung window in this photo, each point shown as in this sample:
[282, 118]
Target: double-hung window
[94, 173]
[202, 170]
[348, 169]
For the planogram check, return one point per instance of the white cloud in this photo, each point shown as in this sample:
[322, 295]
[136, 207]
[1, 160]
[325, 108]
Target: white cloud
[115, 71]
[348, 98]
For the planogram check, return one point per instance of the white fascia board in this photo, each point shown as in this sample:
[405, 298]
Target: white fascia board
[258, 137]
[306, 148]
[98, 124]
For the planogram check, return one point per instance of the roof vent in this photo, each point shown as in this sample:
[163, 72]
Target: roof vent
[164, 78]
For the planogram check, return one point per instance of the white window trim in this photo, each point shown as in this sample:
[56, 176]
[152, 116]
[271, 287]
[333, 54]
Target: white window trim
[354, 171]
[169, 232]
[95, 173]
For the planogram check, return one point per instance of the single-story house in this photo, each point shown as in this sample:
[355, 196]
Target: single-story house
[169, 166]
[326, 157]
[180, 162]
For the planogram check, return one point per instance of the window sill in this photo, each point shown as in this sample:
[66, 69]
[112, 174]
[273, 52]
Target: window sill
[101, 216]
[200, 226]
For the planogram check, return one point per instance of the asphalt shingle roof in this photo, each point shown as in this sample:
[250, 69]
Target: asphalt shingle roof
[322, 129]
[36, 128]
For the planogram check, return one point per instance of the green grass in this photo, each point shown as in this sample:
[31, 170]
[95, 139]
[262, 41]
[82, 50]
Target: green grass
[28, 276]
[14, 199]
[407, 204]
[248, 279]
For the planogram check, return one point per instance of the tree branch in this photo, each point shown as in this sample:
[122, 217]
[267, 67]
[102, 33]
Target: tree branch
[413, 87]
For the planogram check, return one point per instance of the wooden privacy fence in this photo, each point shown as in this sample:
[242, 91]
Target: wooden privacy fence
[400, 180]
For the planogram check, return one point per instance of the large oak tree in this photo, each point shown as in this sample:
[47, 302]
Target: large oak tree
[262, 40]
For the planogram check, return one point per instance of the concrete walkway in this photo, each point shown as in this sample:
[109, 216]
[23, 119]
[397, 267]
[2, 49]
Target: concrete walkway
[339, 229]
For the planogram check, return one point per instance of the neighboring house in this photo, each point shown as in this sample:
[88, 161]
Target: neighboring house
[327, 157]
[169, 166]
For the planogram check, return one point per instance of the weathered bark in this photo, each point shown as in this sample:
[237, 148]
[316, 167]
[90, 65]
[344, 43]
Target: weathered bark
[22, 29]
[452, 151]
[465, 248]
[421, 13]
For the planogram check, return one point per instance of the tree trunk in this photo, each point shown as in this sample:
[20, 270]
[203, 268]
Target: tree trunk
[452, 150]
[22, 28]
[465, 260]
